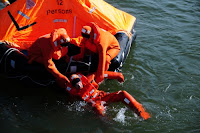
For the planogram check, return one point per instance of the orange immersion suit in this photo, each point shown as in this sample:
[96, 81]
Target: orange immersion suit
[48, 47]
[92, 95]
[101, 42]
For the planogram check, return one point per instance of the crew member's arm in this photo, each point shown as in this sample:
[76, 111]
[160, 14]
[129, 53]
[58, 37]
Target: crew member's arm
[50, 66]
[60, 53]
[101, 66]
[114, 75]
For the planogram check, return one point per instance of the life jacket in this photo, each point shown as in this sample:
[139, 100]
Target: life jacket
[59, 36]
[89, 91]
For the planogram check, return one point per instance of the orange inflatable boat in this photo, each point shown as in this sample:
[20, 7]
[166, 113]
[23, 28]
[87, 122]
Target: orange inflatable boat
[24, 21]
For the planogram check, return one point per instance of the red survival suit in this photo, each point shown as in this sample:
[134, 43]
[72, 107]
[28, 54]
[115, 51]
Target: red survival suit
[47, 47]
[100, 42]
[91, 94]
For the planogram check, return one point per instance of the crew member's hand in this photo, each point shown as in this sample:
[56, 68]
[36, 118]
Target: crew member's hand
[120, 77]
[62, 81]
[99, 79]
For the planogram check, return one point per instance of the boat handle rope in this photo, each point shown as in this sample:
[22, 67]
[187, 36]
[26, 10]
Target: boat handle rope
[6, 54]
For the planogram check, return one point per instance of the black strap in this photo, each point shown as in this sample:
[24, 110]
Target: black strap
[16, 24]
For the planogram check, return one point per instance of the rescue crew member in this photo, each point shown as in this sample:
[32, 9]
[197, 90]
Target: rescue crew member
[87, 89]
[96, 40]
[48, 47]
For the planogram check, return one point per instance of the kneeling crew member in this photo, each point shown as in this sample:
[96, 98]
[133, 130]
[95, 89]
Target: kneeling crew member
[48, 47]
[96, 40]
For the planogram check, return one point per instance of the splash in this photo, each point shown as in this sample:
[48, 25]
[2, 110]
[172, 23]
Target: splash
[77, 106]
[120, 117]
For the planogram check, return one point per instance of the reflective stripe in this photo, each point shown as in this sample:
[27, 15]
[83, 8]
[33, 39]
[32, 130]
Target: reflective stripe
[83, 30]
[105, 75]
[86, 97]
[79, 75]
[126, 100]
[24, 15]
[91, 91]
[12, 63]
[73, 77]
[56, 43]
[103, 30]
[92, 10]
[60, 20]
[95, 35]
[68, 88]
[73, 69]
[88, 32]
[62, 41]
[95, 95]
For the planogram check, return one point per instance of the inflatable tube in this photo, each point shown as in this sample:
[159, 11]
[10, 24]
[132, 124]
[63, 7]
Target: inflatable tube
[125, 45]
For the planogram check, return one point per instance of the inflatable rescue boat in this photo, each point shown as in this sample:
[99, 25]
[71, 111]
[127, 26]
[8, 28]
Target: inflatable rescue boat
[24, 21]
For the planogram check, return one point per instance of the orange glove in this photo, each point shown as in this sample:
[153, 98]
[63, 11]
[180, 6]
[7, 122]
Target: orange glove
[120, 77]
[62, 81]
[99, 108]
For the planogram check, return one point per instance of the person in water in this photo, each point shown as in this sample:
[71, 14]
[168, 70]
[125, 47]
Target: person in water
[48, 47]
[95, 40]
[87, 89]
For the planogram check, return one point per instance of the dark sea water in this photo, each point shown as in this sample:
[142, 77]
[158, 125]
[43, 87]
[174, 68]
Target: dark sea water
[162, 72]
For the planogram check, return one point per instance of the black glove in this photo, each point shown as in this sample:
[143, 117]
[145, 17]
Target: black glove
[65, 44]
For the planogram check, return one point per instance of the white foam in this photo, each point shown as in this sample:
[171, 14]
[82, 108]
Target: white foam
[120, 117]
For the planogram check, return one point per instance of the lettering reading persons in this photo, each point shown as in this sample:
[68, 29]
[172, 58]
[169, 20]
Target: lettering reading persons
[59, 11]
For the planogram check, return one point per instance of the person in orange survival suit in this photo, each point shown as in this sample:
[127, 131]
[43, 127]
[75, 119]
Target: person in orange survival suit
[87, 89]
[96, 40]
[48, 47]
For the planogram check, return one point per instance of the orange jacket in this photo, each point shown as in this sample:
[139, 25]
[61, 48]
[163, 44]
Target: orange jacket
[101, 42]
[90, 88]
[43, 50]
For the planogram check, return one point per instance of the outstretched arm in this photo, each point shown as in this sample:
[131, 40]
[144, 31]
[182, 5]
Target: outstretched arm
[114, 75]
[110, 75]
[101, 66]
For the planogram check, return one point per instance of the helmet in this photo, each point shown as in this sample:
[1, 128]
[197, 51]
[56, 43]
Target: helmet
[74, 78]
[86, 31]
[58, 37]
